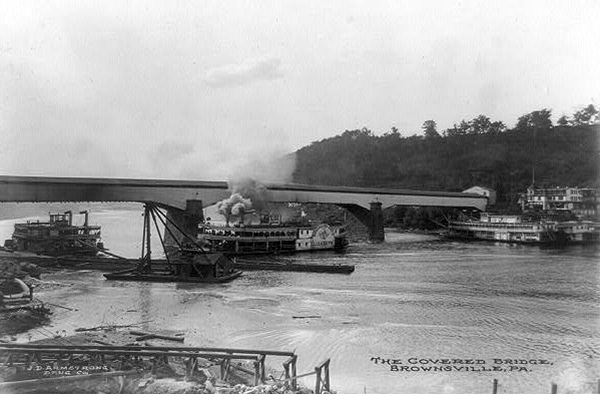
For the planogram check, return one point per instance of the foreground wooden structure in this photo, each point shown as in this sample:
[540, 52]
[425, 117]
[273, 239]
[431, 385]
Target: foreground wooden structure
[24, 355]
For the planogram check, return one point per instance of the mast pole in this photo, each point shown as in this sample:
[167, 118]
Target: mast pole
[533, 164]
[144, 232]
[148, 250]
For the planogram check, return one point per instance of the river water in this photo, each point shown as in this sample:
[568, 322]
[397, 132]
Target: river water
[414, 300]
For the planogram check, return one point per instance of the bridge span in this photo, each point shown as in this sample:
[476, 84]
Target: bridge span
[185, 199]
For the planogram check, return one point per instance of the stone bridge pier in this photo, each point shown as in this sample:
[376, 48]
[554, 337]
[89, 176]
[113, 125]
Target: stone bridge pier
[186, 219]
[371, 218]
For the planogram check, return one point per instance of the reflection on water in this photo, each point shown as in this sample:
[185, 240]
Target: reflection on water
[413, 296]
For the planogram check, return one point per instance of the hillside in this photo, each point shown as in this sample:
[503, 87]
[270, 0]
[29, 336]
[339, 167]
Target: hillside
[495, 157]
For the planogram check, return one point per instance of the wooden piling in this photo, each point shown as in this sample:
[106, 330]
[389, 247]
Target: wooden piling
[261, 363]
[294, 372]
[286, 370]
[495, 387]
[289, 366]
[222, 370]
[554, 388]
[318, 380]
[190, 367]
[327, 386]
[256, 373]
[227, 365]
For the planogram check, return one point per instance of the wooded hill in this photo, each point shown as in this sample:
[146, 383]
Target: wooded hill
[477, 152]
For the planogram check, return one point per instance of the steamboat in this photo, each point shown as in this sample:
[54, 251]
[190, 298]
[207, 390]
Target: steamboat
[514, 229]
[56, 237]
[271, 236]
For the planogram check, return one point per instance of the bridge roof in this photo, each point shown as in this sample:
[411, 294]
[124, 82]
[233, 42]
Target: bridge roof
[177, 183]
[367, 190]
[114, 181]
[176, 192]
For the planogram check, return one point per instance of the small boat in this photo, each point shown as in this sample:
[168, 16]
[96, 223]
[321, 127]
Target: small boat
[56, 237]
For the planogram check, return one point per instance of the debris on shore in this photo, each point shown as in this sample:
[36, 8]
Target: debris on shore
[11, 268]
[19, 310]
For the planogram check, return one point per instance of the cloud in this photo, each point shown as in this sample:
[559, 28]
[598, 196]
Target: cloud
[170, 158]
[266, 165]
[170, 150]
[249, 71]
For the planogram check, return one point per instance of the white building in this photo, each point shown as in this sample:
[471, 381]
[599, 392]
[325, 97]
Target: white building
[483, 191]
[583, 202]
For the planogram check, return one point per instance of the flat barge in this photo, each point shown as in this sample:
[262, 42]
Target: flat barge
[248, 265]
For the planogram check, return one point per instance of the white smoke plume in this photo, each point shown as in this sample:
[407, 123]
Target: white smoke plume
[252, 190]
[246, 183]
[234, 206]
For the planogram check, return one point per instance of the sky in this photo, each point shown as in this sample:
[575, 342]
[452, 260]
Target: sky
[212, 90]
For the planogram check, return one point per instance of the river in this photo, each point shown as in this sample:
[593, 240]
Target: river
[415, 300]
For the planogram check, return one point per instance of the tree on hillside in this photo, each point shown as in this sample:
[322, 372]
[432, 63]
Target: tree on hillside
[479, 125]
[497, 127]
[430, 129]
[462, 128]
[586, 116]
[393, 132]
[356, 134]
[563, 121]
[483, 125]
[535, 120]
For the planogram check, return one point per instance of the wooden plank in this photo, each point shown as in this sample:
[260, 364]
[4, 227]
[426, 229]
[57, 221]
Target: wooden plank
[140, 352]
[9, 346]
[150, 335]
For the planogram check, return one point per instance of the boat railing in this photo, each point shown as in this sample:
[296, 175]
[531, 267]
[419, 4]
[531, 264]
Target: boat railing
[250, 232]
[252, 237]
[494, 226]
